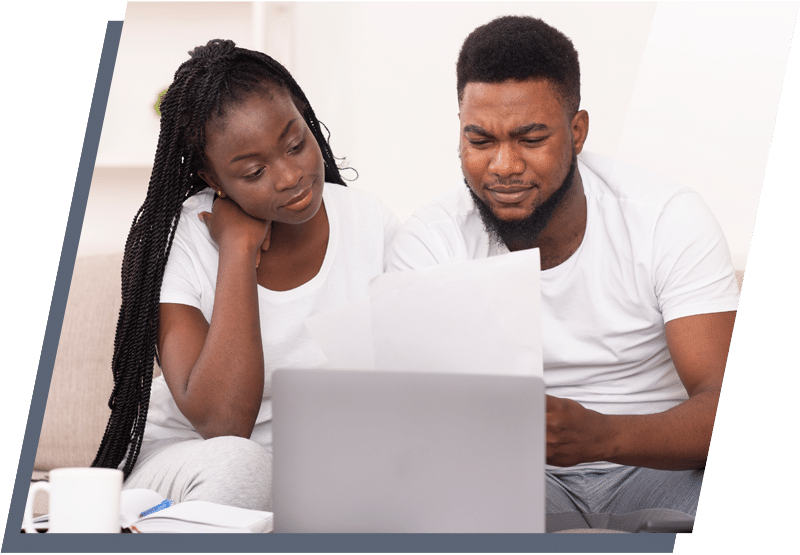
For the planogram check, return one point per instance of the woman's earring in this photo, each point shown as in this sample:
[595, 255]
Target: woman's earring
[219, 194]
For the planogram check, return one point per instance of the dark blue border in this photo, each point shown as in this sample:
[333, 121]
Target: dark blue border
[341, 543]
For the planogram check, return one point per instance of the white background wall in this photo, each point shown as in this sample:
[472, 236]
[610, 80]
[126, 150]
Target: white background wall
[688, 90]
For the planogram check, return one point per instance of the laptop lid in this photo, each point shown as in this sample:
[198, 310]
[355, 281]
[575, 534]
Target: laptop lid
[389, 451]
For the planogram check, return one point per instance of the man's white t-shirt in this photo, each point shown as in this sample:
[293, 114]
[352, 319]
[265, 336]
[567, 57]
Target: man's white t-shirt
[361, 229]
[652, 252]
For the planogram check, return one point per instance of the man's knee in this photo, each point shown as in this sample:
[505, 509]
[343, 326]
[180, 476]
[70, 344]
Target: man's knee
[646, 488]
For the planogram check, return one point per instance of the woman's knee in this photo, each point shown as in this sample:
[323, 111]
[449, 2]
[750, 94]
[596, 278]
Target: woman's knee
[238, 452]
[237, 472]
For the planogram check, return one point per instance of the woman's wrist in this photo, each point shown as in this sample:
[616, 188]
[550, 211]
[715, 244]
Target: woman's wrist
[240, 252]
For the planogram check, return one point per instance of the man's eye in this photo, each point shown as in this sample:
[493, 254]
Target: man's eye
[531, 141]
[478, 142]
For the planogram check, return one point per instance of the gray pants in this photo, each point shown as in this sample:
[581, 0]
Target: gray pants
[621, 498]
[227, 470]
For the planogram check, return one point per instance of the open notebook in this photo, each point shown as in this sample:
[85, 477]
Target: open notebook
[187, 517]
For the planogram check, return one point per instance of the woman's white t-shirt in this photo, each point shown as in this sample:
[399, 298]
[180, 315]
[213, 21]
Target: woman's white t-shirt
[361, 228]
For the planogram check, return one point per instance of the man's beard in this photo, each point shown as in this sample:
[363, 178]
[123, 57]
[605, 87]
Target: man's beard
[524, 231]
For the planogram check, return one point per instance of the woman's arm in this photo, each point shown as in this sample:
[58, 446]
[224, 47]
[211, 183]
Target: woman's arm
[215, 371]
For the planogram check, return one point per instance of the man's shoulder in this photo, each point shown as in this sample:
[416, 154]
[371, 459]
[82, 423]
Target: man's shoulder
[453, 205]
[447, 229]
[611, 179]
[451, 216]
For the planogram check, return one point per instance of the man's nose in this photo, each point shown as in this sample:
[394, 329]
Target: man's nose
[506, 162]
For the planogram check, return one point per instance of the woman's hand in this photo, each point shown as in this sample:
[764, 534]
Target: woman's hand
[215, 369]
[232, 227]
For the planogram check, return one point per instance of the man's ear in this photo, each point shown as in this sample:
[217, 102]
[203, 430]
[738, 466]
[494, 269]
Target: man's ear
[580, 129]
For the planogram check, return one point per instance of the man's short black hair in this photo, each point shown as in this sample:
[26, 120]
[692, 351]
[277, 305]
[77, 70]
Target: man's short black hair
[520, 48]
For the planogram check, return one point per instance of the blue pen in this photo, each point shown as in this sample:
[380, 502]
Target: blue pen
[163, 505]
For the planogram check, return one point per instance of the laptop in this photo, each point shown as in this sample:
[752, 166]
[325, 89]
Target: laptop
[388, 451]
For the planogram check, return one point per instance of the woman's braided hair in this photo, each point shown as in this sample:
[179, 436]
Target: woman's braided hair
[215, 76]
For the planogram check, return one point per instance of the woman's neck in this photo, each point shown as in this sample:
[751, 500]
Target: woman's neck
[295, 254]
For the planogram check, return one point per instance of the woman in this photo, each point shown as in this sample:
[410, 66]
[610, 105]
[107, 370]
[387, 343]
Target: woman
[218, 295]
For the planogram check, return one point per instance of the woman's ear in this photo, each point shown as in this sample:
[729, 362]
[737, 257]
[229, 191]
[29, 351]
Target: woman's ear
[211, 181]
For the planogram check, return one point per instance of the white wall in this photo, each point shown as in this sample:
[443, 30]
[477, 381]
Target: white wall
[686, 89]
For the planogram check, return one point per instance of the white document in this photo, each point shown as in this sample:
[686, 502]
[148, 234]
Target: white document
[345, 335]
[477, 317]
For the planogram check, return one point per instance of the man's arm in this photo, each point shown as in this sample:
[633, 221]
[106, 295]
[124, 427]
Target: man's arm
[677, 439]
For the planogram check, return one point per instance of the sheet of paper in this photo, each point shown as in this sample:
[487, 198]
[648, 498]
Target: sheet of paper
[135, 501]
[480, 316]
[345, 335]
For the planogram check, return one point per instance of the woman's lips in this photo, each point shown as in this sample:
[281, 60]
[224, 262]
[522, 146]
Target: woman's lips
[300, 202]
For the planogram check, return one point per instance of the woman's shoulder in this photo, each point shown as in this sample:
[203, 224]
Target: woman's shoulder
[199, 202]
[348, 195]
[357, 204]
[190, 228]
[354, 199]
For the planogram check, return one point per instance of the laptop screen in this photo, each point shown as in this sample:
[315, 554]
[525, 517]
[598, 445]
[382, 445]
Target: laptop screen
[390, 451]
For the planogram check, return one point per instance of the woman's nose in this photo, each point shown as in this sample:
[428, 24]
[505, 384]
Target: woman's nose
[287, 176]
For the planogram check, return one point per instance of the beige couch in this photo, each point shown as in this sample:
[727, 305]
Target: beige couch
[77, 406]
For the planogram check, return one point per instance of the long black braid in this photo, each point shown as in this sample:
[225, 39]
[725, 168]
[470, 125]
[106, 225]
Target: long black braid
[216, 75]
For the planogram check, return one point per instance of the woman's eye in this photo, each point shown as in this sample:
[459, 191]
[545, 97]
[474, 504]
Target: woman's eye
[255, 174]
[298, 147]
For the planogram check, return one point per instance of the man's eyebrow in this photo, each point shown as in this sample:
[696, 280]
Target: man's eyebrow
[280, 138]
[471, 128]
[525, 129]
[517, 132]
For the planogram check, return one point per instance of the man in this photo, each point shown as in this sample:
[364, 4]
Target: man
[638, 289]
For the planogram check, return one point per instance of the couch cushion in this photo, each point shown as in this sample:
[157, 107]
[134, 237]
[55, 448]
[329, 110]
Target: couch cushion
[77, 405]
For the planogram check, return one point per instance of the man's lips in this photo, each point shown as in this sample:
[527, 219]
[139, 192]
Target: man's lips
[300, 202]
[509, 194]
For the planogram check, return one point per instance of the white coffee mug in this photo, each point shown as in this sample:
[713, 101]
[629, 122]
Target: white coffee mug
[80, 500]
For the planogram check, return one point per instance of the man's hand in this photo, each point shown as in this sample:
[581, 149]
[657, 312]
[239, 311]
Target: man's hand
[574, 434]
[676, 439]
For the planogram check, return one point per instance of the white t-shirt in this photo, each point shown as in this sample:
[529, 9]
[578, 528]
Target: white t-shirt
[361, 229]
[652, 252]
